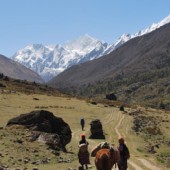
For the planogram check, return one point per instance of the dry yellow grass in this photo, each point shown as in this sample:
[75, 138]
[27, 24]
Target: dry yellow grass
[114, 123]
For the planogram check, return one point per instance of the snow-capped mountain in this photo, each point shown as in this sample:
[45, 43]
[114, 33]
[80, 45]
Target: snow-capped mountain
[50, 60]
[126, 37]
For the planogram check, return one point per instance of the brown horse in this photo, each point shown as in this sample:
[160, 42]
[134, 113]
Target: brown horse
[106, 158]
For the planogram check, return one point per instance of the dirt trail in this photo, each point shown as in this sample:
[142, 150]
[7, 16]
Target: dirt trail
[118, 117]
[118, 125]
[135, 166]
[144, 162]
[151, 166]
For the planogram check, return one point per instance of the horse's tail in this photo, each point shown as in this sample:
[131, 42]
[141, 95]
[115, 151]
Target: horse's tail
[105, 161]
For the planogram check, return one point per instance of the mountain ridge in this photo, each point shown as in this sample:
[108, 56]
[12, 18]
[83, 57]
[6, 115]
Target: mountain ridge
[140, 64]
[50, 60]
[15, 70]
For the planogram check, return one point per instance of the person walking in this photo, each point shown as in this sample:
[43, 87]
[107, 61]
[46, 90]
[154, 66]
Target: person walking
[83, 140]
[83, 153]
[82, 123]
[124, 154]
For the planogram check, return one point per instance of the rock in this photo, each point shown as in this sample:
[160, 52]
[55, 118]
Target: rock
[96, 130]
[60, 160]
[35, 168]
[56, 152]
[111, 96]
[151, 149]
[45, 161]
[94, 103]
[2, 85]
[35, 98]
[45, 127]
[20, 160]
[19, 141]
[1, 75]
[122, 108]
[26, 161]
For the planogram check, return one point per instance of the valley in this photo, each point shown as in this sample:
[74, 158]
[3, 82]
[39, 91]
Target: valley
[115, 75]
[115, 123]
[50, 60]
[137, 73]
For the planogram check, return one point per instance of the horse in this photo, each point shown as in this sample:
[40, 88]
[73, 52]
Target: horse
[106, 158]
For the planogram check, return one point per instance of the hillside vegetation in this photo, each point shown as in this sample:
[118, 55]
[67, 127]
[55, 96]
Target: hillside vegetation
[137, 72]
[145, 130]
[151, 88]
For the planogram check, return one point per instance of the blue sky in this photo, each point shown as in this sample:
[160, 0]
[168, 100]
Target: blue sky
[24, 22]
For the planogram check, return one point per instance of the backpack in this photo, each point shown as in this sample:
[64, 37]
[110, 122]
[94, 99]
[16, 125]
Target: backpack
[98, 147]
[104, 145]
[83, 148]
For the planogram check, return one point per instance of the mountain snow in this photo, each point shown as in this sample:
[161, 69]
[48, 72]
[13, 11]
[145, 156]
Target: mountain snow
[126, 37]
[50, 60]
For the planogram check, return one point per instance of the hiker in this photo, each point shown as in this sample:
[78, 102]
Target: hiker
[124, 154]
[82, 122]
[83, 153]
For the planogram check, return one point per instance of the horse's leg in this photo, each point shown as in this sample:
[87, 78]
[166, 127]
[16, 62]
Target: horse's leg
[86, 166]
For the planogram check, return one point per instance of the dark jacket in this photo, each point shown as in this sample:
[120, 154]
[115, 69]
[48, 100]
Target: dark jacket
[83, 142]
[124, 151]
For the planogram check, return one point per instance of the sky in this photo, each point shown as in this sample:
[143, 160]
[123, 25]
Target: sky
[25, 22]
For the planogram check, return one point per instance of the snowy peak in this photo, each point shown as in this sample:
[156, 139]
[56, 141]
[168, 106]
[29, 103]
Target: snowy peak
[165, 21]
[50, 60]
[82, 44]
[126, 37]
[84, 40]
[153, 27]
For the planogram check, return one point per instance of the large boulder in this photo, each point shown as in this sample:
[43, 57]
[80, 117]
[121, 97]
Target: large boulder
[45, 127]
[96, 130]
[111, 96]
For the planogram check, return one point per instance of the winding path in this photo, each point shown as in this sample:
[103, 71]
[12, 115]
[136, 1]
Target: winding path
[140, 163]
[144, 162]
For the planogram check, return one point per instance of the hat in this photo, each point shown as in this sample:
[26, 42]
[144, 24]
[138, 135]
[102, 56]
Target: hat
[83, 135]
[121, 140]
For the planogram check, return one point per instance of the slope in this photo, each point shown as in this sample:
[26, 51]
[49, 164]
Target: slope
[36, 155]
[15, 70]
[50, 60]
[142, 61]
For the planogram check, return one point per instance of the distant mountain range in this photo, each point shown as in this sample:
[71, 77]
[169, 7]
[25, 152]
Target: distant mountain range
[15, 70]
[137, 72]
[50, 60]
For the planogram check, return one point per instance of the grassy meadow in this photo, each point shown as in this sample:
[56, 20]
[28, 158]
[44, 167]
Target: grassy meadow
[16, 151]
